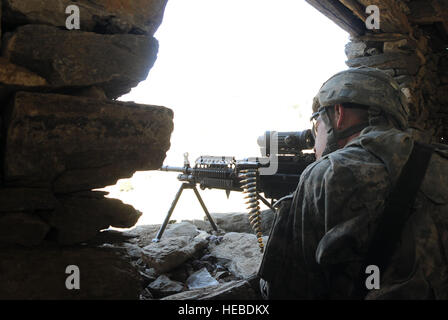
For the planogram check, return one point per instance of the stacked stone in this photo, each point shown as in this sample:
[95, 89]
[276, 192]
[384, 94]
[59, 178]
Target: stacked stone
[63, 133]
[408, 52]
[410, 45]
[415, 68]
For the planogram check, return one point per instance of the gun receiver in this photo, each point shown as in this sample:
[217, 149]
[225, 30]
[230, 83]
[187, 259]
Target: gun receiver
[283, 150]
[222, 173]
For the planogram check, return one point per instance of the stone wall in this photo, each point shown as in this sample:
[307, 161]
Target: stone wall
[63, 133]
[418, 68]
[411, 45]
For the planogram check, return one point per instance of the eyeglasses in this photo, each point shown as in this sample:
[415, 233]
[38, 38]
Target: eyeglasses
[315, 124]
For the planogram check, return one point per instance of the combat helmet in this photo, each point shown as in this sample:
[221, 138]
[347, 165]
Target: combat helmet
[367, 87]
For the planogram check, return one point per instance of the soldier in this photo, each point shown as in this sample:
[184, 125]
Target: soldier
[374, 197]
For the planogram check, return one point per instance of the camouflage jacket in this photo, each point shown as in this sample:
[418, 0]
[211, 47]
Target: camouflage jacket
[319, 239]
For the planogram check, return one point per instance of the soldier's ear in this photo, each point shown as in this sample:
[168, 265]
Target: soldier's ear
[339, 116]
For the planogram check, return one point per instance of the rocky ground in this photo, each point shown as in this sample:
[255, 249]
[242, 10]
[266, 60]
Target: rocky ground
[192, 261]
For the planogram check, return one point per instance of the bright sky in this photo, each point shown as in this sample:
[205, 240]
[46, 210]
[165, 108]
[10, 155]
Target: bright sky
[230, 70]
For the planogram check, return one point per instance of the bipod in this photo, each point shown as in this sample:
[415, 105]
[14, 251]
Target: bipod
[173, 205]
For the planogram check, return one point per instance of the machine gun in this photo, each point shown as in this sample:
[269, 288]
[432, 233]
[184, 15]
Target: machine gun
[280, 150]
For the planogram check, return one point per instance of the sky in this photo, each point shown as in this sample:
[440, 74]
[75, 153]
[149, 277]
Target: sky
[230, 70]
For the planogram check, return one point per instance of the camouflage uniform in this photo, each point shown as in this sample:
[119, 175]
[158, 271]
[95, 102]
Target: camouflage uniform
[319, 240]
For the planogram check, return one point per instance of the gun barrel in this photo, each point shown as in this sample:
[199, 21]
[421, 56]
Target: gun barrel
[172, 169]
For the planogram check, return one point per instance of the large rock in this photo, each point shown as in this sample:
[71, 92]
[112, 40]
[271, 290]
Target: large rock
[40, 273]
[234, 290]
[410, 62]
[201, 279]
[164, 286]
[239, 221]
[19, 221]
[105, 16]
[146, 233]
[22, 228]
[170, 253]
[80, 218]
[14, 78]
[240, 253]
[355, 49]
[180, 230]
[65, 58]
[400, 46]
[26, 199]
[442, 94]
[77, 143]
[201, 225]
